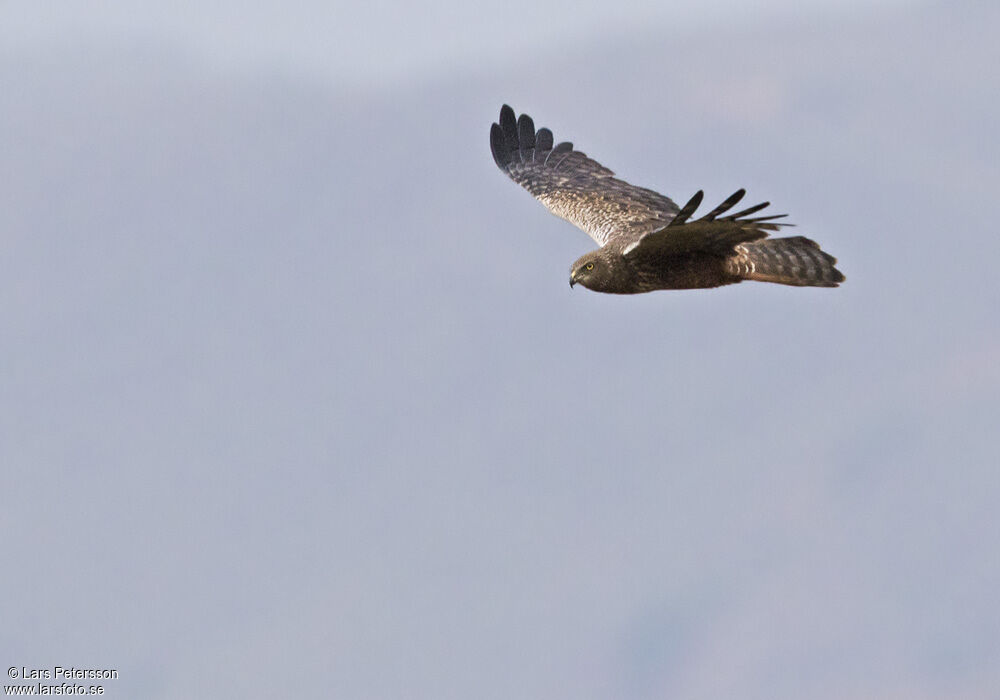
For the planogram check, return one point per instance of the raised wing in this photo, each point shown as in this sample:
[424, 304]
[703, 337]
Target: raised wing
[573, 186]
[710, 233]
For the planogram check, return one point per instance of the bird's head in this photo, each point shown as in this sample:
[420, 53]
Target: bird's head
[594, 271]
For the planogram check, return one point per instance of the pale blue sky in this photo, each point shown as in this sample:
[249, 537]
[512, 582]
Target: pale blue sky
[295, 400]
[381, 42]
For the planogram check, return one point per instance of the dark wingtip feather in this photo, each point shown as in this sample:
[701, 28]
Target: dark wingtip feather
[526, 137]
[688, 209]
[557, 154]
[500, 153]
[726, 205]
[507, 114]
[543, 141]
[508, 122]
[750, 210]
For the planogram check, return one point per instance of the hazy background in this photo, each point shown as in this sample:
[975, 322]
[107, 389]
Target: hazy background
[295, 400]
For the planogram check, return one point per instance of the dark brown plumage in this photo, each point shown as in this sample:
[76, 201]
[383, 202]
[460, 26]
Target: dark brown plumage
[646, 241]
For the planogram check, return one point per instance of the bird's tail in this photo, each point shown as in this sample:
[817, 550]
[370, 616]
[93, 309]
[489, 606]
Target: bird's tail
[797, 261]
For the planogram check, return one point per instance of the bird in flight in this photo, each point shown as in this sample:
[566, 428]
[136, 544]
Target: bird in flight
[646, 241]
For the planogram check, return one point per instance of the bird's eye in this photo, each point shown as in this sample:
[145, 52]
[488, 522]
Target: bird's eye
[588, 266]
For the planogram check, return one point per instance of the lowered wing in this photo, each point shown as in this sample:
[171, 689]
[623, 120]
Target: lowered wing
[711, 233]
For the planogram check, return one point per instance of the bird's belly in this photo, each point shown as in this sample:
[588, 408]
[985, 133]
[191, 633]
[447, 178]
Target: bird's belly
[693, 271]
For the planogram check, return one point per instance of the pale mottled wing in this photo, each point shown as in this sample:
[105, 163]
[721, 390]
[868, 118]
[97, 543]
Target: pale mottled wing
[709, 234]
[573, 186]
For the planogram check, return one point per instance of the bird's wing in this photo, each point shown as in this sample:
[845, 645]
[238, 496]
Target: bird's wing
[709, 234]
[573, 186]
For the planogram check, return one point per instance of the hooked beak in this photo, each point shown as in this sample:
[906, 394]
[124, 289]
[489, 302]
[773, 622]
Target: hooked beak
[572, 279]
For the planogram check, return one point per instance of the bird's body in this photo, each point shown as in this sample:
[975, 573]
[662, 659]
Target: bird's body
[646, 241]
[616, 274]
